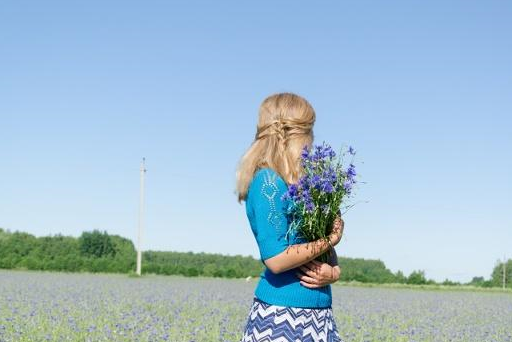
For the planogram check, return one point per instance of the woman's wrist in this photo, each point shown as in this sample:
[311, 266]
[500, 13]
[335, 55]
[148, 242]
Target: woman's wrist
[336, 271]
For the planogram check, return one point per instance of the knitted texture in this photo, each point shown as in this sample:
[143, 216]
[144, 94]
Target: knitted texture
[266, 212]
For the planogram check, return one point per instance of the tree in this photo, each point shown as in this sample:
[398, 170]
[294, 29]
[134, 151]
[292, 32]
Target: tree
[449, 282]
[400, 277]
[417, 278]
[477, 281]
[96, 244]
[365, 270]
[497, 274]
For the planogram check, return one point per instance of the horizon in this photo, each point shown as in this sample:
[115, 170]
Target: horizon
[233, 255]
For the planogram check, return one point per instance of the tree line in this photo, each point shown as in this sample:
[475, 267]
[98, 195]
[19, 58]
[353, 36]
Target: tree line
[97, 251]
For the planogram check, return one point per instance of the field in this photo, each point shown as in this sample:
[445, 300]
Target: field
[41, 306]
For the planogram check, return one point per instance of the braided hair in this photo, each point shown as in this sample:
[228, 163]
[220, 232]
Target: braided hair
[284, 126]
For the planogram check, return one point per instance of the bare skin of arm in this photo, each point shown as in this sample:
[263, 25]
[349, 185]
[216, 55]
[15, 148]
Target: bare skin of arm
[316, 274]
[299, 254]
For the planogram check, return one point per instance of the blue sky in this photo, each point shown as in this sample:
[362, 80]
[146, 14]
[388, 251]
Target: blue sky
[422, 90]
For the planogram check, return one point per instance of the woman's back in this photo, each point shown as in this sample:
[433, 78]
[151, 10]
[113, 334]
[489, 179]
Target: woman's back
[266, 211]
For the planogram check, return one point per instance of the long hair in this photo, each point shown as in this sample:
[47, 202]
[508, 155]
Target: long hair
[285, 126]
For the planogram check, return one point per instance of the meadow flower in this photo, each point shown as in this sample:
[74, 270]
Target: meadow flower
[347, 185]
[351, 172]
[351, 150]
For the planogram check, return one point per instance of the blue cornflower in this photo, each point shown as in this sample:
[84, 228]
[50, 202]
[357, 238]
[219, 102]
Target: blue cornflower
[347, 185]
[329, 152]
[351, 171]
[292, 192]
[305, 152]
[327, 187]
[308, 200]
[329, 174]
[316, 182]
[304, 183]
[310, 206]
[322, 152]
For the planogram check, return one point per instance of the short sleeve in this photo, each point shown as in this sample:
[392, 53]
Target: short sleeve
[269, 222]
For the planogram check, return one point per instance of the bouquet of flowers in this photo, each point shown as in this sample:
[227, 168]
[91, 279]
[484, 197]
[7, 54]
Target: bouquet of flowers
[317, 197]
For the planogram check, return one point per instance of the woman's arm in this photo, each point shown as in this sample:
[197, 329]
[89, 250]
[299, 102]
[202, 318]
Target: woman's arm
[317, 274]
[296, 255]
[299, 254]
[336, 270]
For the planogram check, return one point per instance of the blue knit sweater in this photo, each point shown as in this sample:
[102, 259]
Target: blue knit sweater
[266, 212]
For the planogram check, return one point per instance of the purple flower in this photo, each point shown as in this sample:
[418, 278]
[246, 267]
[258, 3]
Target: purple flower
[351, 150]
[292, 193]
[327, 187]
[329, 174]
[351, 171]
[310, 207]
[347, 185]
[323, 153]
[304, 183]
[305, 156]
[305, 152]
[316, 182]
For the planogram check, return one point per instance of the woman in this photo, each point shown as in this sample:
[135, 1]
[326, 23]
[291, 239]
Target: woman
[292, 301]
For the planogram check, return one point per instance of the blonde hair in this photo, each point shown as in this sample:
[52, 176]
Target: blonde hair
[285, 125]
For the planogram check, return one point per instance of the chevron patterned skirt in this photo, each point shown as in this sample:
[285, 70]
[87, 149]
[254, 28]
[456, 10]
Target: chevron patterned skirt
[274, 323]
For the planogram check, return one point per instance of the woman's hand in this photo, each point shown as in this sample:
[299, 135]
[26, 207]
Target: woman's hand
[337, 229]
[317, 274]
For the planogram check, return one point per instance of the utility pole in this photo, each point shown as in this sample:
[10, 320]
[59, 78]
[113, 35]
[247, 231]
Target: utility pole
[141, 215]
[504, 272]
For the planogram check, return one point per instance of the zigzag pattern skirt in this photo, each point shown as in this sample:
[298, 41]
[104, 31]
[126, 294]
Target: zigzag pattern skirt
[274, 323]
